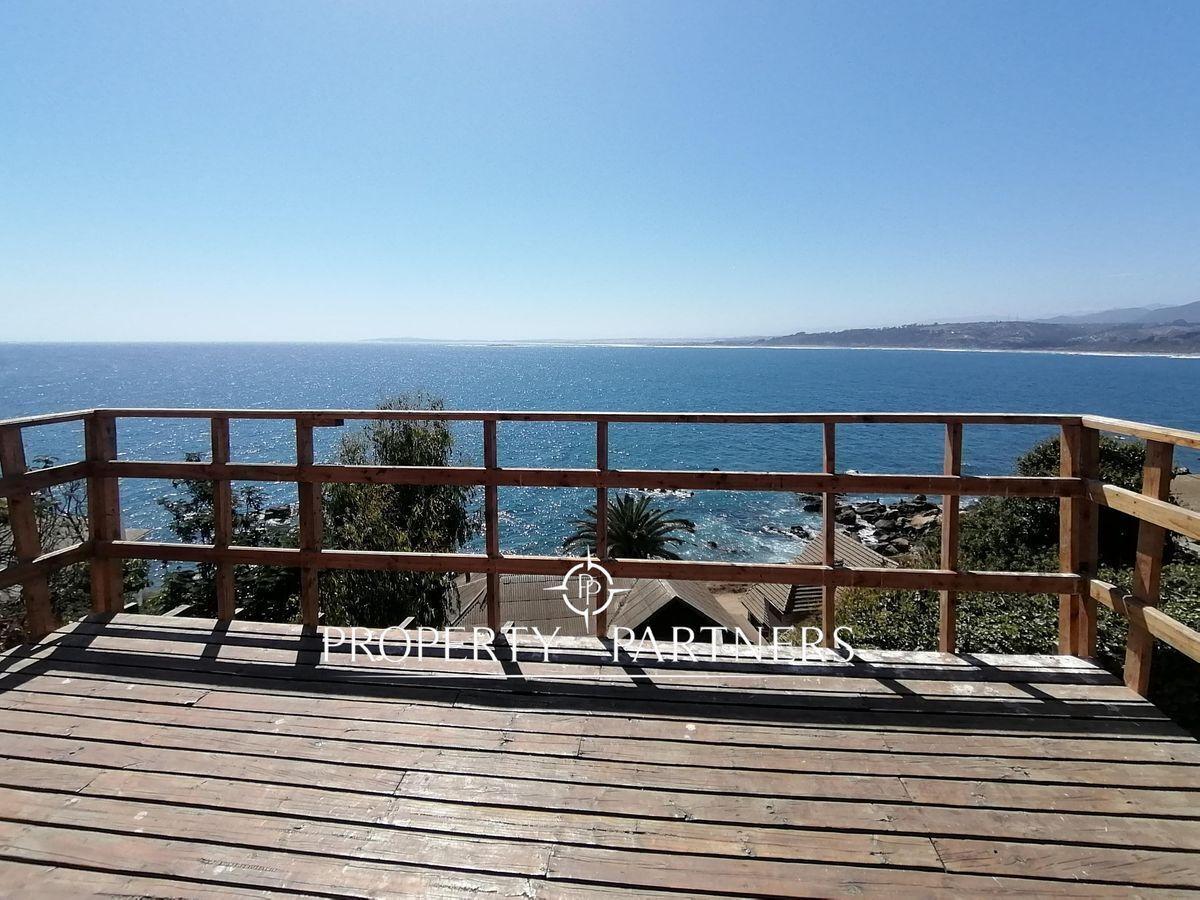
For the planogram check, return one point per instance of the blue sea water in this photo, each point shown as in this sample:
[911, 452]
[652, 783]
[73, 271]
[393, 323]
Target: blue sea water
[38, 378]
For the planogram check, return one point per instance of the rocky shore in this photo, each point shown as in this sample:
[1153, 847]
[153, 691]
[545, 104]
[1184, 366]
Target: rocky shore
[888, 528]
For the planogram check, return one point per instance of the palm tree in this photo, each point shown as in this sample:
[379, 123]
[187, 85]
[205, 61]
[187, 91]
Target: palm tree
[637, 529]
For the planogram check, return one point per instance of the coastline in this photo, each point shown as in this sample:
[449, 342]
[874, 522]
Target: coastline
[695, 345]
[947, 350]
[701, 346]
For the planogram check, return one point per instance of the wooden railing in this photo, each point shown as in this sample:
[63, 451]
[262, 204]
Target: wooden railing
[1077, 487]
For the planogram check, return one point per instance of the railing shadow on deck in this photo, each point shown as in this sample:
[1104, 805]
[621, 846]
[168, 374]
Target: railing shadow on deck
[606, 687]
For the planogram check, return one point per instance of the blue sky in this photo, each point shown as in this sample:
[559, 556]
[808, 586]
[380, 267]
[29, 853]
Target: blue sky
[300, 170]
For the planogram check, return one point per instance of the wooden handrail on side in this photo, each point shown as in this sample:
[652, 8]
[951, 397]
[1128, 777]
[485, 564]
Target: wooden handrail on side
[1156, 516]
[1077, 487]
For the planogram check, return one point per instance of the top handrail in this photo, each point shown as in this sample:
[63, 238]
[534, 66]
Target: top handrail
[1179, 437]
[1176, 436]
[618, 416]
[74, 415]
[627, 416]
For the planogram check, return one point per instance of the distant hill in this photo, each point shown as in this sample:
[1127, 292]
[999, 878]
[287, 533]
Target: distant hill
[1064, 336]
[1138, 315]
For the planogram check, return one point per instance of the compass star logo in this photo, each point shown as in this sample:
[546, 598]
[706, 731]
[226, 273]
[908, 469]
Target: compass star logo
[587, 589]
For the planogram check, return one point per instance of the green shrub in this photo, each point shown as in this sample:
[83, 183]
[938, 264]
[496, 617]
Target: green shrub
[1021, 534]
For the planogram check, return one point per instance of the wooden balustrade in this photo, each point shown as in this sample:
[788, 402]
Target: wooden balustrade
[309, 492]
[602, 515]
[828, 531]
[1079, 450]
[27, 542]
[1077, 487]
[948, 600]
[1156, 516]
[104, 512]
[1147, 565]
[223, 519]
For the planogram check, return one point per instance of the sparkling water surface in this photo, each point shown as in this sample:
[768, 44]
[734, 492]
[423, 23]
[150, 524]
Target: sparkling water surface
[39, 378]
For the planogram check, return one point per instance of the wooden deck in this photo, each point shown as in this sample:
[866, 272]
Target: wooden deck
[170, 757]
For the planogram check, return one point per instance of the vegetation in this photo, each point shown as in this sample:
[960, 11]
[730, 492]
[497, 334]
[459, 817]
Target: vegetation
[61, 513]
[1012, 533]
[1008, 533]
[264, 592]
[637, 529]
[1164, 336]
[432, 519]
[356, 516]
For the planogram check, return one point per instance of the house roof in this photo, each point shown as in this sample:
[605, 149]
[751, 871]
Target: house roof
[846, 548]
[792, 599]
[533, 600]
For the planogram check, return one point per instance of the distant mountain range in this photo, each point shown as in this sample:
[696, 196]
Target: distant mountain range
[1154, 329]
[1136, 315]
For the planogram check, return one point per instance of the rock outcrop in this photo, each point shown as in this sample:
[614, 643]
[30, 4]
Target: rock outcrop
[890, 528]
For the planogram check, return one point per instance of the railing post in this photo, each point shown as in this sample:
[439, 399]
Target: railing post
[829, 546]
[310, 524]
[491, 503]
[27, 543]
[948, 600]
[1077, 536]
[223, 519]
[602, 515]
[104, 514]
[1147, 567]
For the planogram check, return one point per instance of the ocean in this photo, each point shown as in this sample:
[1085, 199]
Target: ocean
[39, 378]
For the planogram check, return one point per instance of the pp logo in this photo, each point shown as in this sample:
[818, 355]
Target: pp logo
[587, 590]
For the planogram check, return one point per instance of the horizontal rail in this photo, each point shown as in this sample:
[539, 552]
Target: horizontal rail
[45, 564]
[75, 415]
[1146, 508]
[329, 416]
[39, 479]
[683, 570]
[1177, 436]
[799, 482]
[1171, 631]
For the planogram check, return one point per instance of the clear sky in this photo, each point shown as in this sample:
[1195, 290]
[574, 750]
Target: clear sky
[302, 170]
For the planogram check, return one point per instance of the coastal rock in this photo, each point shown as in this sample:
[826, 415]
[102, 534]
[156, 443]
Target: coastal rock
[871, 510]
[891, 528]
[679, 493]
[925, 520]
[789, 531]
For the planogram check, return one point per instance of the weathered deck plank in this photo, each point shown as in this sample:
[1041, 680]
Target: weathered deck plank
[866, 757]
[161, 757]
[606, 687]
[367, 714]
